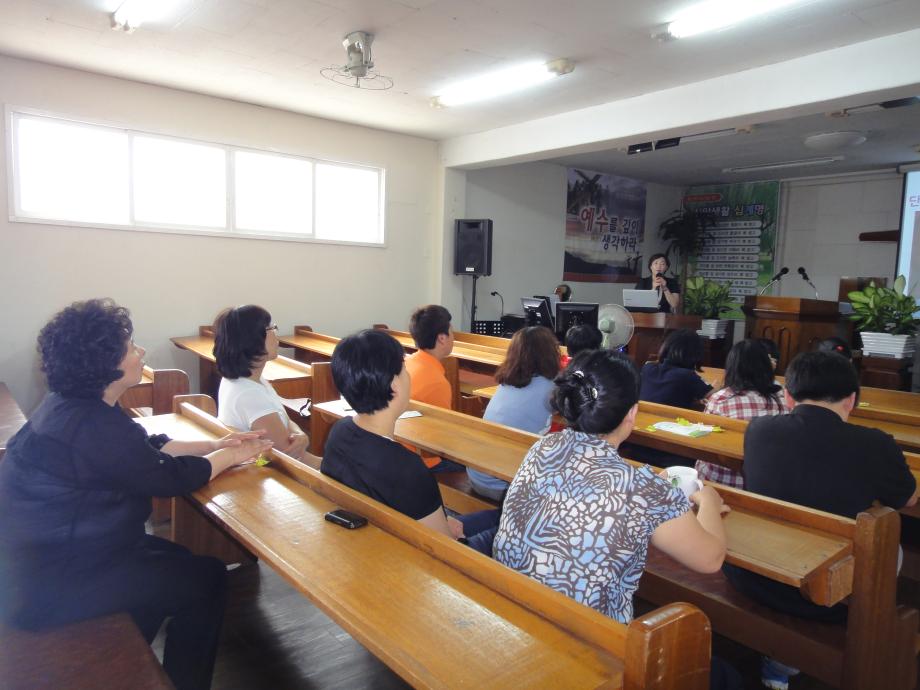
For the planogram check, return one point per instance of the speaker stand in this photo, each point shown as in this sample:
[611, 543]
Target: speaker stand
[473, 303]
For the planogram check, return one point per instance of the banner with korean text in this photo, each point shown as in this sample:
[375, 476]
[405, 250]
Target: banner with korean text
[604, 227]
[741, 248]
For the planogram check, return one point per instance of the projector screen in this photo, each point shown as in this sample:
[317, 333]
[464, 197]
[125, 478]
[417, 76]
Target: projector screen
[909, 246]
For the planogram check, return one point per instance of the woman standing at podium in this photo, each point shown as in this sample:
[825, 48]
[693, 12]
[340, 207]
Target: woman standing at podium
[668, 288]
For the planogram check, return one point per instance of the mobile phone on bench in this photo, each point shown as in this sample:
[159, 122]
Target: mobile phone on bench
[344, 518]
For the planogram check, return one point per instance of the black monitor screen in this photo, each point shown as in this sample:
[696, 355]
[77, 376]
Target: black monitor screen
[536, 311]
[570, 314]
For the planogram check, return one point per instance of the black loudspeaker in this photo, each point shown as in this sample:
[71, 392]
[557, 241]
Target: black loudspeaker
[473, 247]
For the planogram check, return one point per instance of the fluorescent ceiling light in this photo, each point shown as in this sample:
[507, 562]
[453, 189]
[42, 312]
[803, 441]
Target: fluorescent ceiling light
[712, 15]
[825, 160]
[132, 13]
[502, 82]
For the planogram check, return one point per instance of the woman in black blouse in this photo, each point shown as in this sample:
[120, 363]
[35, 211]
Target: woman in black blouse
[75, 491]
[669, 288]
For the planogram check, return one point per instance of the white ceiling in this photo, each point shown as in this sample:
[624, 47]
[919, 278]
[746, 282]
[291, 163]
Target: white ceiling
[893, 137]
[270, 52]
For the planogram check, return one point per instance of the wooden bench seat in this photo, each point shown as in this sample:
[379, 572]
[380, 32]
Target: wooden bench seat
[106, 652]
[11, 417]
[408, 593]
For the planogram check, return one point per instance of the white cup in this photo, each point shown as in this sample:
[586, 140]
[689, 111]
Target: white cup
[684, 478]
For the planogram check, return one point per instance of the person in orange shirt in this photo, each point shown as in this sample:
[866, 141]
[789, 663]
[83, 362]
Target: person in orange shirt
[434, 337]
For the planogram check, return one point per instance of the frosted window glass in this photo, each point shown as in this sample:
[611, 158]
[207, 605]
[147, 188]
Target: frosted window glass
[179, 183]
[69, 171]
[348, 204]
[273, 193]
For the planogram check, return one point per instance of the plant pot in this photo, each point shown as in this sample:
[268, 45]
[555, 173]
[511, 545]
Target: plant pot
[713, 328]
[888, 345]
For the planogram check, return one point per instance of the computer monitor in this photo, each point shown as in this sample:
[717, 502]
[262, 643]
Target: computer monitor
[570, 314]
[536, 311]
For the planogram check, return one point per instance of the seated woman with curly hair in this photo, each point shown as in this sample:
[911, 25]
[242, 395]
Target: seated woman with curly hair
[525, 384]
[245, 340]
[75, 490]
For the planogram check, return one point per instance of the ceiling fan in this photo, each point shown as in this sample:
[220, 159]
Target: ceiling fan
[358, 72]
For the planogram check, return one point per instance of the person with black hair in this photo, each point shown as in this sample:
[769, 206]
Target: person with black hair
[369, 371]
[522, 401]
[245, 340]
[433, 335]
[673, 379]
[769, 345]
[835, 344]
[749, 391]
[669, 288]
[579, 518]
[579, 338]
[76, 485]
[563, 292]
[812, 457]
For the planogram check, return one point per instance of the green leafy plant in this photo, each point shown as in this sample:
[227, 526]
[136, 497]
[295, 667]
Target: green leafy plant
[686, 232]
[707, 298]
[884, 310]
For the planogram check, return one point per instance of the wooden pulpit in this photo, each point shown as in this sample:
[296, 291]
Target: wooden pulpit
[653, 328]
[793, 323]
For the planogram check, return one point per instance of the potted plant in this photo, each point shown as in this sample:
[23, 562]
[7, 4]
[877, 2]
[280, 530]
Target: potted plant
[709, 299]
[886, 319]
[686, 233]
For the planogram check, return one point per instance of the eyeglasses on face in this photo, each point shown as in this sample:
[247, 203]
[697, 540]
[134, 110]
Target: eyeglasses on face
[273, 327]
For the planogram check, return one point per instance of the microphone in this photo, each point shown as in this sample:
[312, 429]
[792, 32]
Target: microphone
[496, 293]
[783, 271]
[658, 287]
[807, 280]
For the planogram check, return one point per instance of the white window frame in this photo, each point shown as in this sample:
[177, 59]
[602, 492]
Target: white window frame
[17, 216]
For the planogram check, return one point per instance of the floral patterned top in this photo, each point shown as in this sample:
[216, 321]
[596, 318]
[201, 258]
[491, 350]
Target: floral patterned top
[579, 518]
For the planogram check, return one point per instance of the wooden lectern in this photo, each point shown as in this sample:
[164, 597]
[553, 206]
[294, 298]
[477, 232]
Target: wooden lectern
[652, 329]
[794, 324]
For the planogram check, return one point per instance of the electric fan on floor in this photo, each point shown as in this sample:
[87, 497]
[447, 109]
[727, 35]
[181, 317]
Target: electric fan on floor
[616, 324]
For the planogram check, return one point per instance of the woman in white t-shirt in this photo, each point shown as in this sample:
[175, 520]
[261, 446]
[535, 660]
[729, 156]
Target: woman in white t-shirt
[245, 339]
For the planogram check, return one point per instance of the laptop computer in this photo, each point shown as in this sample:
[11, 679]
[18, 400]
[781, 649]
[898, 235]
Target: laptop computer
[641, 300]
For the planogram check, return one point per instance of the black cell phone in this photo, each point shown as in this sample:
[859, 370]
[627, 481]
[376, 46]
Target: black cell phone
[345, 519]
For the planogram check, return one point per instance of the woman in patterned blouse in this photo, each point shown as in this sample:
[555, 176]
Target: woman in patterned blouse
[750, 391]
[579, 518]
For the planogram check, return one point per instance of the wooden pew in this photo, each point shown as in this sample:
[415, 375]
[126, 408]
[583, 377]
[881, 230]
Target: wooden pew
[289, 378]
[829, 558]
[11, 417]
[154, 394]
[437, 612]
[107, 652]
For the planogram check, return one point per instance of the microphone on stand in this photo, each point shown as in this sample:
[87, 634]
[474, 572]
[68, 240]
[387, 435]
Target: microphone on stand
[807, 280]
[496, 293]
[658, 288]
[779, 276]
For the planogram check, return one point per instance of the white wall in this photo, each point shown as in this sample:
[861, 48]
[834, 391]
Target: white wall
[527, 204]
[173, 283]
[820, 222]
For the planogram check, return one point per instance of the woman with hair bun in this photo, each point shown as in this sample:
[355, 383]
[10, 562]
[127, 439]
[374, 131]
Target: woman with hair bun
[245, 340]
[579, 518]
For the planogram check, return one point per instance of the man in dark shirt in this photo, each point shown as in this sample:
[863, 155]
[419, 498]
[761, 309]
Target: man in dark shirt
[361, 452]
[814, 458]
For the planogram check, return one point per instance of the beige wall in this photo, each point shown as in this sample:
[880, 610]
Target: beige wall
[173, 283]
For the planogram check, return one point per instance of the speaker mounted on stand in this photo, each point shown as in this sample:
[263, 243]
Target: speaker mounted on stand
[473, 251]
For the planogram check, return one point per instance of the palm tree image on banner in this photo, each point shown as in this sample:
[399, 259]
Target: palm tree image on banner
[604, 227]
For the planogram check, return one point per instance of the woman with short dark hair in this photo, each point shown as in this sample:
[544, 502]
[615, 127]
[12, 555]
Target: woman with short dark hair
[75, 490]
[669, 288]
[245, 340]
[673, 380]
[579, 518]
[749, 391]
[522, 401]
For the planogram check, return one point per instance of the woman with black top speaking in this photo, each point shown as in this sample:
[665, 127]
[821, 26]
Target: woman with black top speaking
[668, 288]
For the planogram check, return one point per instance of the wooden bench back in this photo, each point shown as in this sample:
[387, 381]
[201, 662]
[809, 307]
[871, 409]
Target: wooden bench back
[665, 649]
[155, 391]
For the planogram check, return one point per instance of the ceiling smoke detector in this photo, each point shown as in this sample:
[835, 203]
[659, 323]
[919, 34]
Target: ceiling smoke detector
[358, 72]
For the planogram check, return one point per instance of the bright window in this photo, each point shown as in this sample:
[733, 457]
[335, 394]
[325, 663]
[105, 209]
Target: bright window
[273, 193]
[179, 183]
[66, 172]
[69, 171]
[347, 203]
